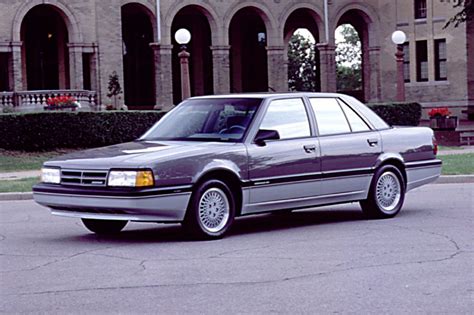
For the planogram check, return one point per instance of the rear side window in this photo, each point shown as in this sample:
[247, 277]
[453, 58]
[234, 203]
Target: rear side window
[357, 124]
[329, 116]
[288, 117]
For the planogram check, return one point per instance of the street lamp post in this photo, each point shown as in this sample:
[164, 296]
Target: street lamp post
[398, 38]
[183, 36]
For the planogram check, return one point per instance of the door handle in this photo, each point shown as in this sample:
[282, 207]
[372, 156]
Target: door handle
[310, 148]
[373, 142]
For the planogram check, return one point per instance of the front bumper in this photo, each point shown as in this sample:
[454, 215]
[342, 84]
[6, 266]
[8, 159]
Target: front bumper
[167, 204]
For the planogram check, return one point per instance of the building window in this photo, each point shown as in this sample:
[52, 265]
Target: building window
[86, 71]
[5, 73]
[406, 62]
[440, 60]
[420, 9]
[421, 60]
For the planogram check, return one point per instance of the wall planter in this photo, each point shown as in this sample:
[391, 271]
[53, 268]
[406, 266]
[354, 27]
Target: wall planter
[444, 123]
[64, 108]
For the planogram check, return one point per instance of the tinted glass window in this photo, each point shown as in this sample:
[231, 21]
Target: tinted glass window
[357, 124]
[329, 116]
[372, 117]
[206, 120]
[288, 117]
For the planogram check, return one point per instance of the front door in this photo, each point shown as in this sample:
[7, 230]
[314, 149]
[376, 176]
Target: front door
[284, 173]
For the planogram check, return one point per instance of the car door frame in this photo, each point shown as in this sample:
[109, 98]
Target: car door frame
[349, 184]
[305, 180]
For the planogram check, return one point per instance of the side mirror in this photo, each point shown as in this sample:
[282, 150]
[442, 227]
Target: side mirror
[263, 135]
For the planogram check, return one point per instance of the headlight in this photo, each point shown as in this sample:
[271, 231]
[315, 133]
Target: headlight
[130, 178]
[51, 175]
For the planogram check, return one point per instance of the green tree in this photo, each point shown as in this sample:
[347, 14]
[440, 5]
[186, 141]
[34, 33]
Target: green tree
[348, 59]
[114, 88]
[302, 64]
[466, 14]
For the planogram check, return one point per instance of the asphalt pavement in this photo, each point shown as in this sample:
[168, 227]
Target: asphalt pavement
[329, 260]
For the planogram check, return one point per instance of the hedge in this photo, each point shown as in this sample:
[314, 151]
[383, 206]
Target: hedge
[52, 130]
[401, 114]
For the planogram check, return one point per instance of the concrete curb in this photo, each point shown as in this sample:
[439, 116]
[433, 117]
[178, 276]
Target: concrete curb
[455, 179]
[16, 196]
[445, 179]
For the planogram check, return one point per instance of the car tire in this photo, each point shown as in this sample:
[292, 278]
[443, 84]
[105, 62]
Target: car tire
[104, 226]
[211, 210]
[386, 194]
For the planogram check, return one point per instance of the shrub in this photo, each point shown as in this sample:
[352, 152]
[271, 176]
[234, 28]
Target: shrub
[401, 114]
[52, 130]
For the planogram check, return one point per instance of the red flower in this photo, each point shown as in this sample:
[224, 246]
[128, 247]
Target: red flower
[61, 101]
[439, 112]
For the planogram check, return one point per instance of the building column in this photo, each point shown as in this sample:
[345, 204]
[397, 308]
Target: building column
[327, 61]
[163, 75]
[76, 76]
[277, 72]
[375, 89]
[221, 69]
[16, 67]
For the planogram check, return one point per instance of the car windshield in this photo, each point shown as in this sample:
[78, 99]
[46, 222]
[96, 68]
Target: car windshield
[213, 119]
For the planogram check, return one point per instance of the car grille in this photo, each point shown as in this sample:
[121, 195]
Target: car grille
[84, 177]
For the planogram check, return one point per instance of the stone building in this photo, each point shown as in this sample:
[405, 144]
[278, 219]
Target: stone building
[236, 46]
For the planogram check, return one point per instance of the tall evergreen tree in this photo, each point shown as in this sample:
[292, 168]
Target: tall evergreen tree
[114, 88]
[302, 64]
[349, 60]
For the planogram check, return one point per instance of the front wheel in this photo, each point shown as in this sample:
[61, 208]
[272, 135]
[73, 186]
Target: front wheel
[211, 210]
[104, 226]
[386, 194]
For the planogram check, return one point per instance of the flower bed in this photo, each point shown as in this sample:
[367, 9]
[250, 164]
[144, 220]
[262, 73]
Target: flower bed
[62, 103]
[440, 119]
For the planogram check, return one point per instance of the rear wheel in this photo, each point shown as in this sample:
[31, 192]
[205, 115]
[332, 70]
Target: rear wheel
[211, 210]
[104, 226]
[386, 194]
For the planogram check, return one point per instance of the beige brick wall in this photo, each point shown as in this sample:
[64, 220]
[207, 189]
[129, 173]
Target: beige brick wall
[98, 24]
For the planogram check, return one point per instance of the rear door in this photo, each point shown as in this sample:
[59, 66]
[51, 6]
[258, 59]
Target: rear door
[284, 172]
[349, 148]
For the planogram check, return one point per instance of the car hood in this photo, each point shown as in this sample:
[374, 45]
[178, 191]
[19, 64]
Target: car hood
[138, 154]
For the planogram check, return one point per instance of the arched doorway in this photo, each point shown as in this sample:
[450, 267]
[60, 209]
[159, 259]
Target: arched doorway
[355, 24]
[349, 61]
[193, 18]
[301, 35]
[45, 37]
[248, 54]
[138, 65]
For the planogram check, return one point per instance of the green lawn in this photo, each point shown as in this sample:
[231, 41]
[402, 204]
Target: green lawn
[443, 148]
[455, 164]
[458, 164]
[11, 161]
[20, 185]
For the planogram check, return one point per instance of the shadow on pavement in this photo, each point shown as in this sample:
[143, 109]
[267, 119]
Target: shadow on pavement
[262, 223]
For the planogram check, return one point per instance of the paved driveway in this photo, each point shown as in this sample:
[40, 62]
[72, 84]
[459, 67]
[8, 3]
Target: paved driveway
[328, 260]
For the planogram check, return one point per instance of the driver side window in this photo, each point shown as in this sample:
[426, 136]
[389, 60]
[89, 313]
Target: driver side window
[288, 117]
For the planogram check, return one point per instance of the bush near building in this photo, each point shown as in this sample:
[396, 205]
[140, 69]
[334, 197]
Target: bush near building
[398, 114]
[45, 131]
[52, 130]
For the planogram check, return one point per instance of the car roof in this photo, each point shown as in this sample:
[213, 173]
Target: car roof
[373, 118]
[264, 95]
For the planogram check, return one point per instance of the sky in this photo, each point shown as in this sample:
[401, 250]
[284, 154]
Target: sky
[305, 33]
